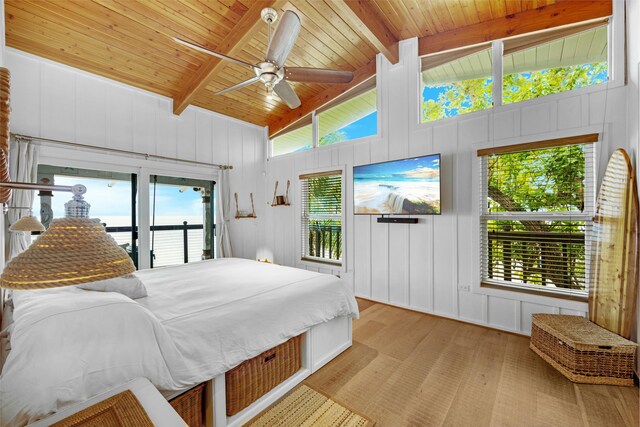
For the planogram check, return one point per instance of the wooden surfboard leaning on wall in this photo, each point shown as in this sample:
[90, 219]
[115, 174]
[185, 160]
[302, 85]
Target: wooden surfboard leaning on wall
[613, 285]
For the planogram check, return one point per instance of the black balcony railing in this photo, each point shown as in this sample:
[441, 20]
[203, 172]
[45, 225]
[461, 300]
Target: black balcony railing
[175, 246]
[184, 227]
[325, 240]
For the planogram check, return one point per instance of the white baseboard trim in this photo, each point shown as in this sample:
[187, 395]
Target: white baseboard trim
[446, 316]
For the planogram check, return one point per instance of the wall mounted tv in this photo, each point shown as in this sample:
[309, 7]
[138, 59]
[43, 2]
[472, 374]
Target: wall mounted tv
[400, 187]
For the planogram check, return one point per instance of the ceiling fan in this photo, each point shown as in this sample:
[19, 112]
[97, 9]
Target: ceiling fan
[272, 72]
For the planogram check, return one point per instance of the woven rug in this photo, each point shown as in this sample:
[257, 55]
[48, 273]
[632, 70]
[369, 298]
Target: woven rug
[305, 407]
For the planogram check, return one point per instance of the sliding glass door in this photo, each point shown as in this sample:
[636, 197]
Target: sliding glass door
[181, 218]
[181, 211]
[112, 196]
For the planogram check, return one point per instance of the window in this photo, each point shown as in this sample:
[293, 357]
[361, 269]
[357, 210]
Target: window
[321, 221]
[349, 117]
[297, 138]
[181, 215]
[533, 65]
[554, 61]
[103, 187]
[456, 82]
[536, 211]
[181, 219]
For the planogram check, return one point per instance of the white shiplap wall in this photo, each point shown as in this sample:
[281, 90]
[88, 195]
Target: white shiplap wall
[432, 266]
[54, 101]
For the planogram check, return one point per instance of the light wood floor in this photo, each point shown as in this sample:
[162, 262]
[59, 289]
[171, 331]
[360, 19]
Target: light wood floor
[411, 369]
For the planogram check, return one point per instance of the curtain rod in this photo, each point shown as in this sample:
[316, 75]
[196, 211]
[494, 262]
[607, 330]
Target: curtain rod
[30, 186]
[27, 138]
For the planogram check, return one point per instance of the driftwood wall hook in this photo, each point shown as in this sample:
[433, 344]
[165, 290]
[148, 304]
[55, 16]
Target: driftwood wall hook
[280, 200]
[286, 196]
[240, 214]
[275, 190]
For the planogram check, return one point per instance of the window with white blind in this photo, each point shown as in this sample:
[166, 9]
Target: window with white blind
[322, 217]
[537, 203]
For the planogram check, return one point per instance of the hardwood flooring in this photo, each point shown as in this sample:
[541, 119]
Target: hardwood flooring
[411, 369]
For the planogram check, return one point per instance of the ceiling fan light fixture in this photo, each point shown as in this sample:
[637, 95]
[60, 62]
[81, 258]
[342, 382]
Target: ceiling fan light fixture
[269, 15]
[272, 71]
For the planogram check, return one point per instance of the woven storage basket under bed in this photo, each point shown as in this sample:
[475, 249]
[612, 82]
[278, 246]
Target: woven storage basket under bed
[583, 351]
[190, 406]
[253, 378]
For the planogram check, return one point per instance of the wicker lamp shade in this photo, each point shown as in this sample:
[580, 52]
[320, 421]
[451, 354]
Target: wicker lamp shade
[70, 252]
[27, 223]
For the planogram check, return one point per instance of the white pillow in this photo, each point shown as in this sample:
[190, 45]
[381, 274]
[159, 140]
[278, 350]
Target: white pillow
[128, 285]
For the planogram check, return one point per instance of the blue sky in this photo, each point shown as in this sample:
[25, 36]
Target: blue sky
[115, 200]
[366, 126]
[433, 92]
[388, 169]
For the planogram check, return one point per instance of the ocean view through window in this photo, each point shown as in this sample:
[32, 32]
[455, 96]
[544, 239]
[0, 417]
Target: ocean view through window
[183, 229]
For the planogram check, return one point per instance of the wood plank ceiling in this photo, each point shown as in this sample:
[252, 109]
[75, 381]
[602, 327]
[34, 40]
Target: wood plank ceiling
[130, 40]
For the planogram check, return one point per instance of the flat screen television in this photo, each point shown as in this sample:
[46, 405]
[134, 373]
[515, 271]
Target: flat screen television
[400, 187]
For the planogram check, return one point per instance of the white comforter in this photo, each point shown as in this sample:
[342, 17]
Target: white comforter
[198, 321]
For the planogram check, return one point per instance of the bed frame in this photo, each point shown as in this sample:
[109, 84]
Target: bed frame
[320, 344]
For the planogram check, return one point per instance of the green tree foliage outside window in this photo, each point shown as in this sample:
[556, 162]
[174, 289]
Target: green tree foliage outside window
[523, 86]
[467, 96]
[546, 180]
[325, 217]
[458, 98]
[333, 138]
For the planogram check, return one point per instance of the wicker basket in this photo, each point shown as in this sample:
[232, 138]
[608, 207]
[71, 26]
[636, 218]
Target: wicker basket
[253, 378]
[190, 406]
[583, 351]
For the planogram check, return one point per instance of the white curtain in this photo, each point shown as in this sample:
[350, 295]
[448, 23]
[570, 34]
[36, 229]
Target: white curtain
[23, 167]
[224, 215]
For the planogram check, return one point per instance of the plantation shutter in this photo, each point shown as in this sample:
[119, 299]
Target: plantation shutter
[536, 210]
[321, 217]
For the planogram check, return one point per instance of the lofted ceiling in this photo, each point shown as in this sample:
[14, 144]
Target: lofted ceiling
[130, 41]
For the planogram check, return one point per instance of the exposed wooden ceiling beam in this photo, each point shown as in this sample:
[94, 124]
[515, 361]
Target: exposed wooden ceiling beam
[360, 75]
[563, 12]
[232, 43]
[360, 15]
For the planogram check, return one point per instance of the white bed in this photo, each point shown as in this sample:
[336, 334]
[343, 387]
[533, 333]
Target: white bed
[198, 321]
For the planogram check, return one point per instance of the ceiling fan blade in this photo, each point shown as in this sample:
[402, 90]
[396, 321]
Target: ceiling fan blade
[238, 86]
[211, 52]
[286, 93]
[283, 38]
[317, 75]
